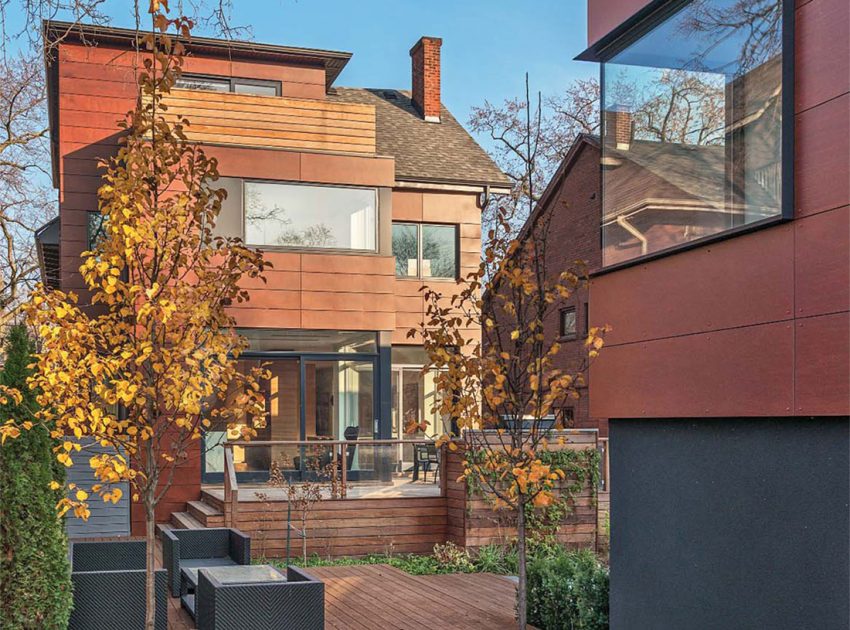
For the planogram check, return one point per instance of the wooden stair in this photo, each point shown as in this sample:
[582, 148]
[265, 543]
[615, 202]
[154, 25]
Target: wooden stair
[198, 515]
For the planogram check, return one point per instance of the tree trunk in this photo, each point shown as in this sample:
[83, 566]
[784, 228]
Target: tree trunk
[150, 565]
[521, 604]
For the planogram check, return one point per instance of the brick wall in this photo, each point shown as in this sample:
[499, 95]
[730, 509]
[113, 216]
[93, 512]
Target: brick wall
[574, 207]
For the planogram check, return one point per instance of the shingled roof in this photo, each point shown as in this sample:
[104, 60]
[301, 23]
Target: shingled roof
[424, 151]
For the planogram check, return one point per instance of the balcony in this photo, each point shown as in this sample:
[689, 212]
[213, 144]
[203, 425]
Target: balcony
[250, 120]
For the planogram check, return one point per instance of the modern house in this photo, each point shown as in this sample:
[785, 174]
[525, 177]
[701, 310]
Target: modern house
[358, 197]
[725, 275]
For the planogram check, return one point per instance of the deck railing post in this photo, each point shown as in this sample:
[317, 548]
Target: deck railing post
[343, 489]
[444, 452]
[231, 488]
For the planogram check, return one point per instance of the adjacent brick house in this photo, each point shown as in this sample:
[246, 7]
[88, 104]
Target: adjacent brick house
[571, 205]
[358, 197]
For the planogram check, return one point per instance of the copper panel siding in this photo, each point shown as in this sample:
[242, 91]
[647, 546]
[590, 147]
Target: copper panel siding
[822, 61]
[822, 365]
[299, 81]
[704, 289]
[822, 160]
[407, 205]
[736, 372]
[605, 15]
[822, 273]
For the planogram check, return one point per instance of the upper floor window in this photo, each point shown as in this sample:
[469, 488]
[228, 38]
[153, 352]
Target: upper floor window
[227, 84]
[310, 216]
[424, 250]
[692, 115]
[567, 324]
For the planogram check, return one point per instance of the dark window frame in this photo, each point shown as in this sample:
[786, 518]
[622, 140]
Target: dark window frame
[420, 225]
[641, 23]
[562, 333]
[278, 86]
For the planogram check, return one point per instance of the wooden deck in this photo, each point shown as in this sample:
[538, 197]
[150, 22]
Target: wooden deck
[365, 597]
[380, 596]
[373, 596]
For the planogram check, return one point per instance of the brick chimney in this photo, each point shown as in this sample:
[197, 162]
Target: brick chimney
[425, 65]
[619, 127]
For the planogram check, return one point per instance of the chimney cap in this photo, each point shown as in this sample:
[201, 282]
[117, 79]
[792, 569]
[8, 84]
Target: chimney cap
[434, 40]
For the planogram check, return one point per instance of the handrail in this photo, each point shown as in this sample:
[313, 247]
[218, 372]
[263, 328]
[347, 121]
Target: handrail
[328, 442]
[231, 487]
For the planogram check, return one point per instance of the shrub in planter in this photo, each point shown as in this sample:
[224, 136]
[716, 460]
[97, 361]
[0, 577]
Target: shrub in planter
[35, 581]
[567, 590]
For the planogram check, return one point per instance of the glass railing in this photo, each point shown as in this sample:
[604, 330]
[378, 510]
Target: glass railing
[335, 469]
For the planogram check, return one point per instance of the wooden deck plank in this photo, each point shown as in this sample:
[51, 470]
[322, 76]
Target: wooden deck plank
[364, 597]
[473, 601]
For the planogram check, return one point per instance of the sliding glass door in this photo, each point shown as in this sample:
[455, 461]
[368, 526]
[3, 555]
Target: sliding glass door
[311, 396]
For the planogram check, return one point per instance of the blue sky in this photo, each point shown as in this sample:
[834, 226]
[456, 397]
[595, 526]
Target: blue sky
[487, 45]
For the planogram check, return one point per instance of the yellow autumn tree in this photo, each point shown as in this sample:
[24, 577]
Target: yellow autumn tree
[503, 391]
[145, 359]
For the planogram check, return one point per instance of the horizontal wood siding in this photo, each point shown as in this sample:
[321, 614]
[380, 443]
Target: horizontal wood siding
[336, 528]
[107, 519]
[473, 522]
[273, 121]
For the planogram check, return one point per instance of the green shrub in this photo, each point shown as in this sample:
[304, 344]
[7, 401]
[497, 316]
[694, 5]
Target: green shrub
[35, 582]
[567, 590]
[499, 559]
[453, 559]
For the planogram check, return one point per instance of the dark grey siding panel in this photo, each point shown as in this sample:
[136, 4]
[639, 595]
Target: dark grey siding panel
[730, 523]
[107, 519]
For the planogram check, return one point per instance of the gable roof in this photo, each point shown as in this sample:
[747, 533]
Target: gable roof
[425, 151]
[582, 140]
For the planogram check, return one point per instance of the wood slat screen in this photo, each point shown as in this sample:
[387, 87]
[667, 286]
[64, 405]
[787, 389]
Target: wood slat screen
[273, 121]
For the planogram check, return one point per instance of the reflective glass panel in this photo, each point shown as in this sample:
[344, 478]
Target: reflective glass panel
[692, 121]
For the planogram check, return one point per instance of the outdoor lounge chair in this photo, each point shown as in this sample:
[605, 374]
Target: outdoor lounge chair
[109, 586]
[194, 548]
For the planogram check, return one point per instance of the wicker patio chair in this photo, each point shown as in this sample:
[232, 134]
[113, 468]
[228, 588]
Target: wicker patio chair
[109, 586]
[194, 548]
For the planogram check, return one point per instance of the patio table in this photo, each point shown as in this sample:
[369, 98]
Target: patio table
[232, 574]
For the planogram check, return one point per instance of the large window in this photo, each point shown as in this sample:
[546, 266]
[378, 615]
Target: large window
[308, 216]
[425, 250]
[692, 127]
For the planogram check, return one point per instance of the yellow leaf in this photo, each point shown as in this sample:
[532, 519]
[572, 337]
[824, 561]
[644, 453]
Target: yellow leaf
[82, 495]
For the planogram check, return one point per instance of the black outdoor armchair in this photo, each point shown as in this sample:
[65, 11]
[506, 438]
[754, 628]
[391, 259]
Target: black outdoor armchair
[109, 586]
[194, 548]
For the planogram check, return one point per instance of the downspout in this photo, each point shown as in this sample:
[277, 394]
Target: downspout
[623, 222]
[484, 198]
